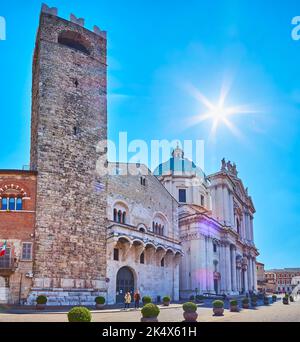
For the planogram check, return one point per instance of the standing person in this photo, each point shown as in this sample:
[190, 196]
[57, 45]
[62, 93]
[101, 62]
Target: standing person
[127, 300]
[137, 298]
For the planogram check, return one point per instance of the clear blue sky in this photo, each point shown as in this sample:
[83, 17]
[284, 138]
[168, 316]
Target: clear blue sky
[157, 47]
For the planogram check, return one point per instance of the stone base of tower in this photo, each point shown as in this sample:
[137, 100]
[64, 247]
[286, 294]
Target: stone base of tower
[68, 296]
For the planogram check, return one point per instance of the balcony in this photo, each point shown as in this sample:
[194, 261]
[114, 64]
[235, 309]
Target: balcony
[7, 265]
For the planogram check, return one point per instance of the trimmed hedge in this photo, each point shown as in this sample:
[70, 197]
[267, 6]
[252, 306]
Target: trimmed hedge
[100, 300]
[245, 301]
[147, 300]
[189, 307]
[79, 314]
[150, 310]
[218, 304]
[41, 300]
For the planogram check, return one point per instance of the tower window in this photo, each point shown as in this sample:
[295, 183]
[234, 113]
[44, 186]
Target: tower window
[162, 263]
[182, 195]
[76, 83]
[74, 41]
[75, 130]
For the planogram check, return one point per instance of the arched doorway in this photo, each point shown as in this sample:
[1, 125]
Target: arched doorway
[125, 283]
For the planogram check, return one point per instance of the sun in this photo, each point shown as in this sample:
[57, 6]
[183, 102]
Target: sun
[218, 113]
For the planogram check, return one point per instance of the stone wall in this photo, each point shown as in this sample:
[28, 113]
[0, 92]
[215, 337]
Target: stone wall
[143, 205]
[69, 119]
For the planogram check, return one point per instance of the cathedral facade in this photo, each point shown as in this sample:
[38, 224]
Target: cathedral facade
[72, 232]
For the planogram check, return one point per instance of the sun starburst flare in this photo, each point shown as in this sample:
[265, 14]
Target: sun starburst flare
[218, 113]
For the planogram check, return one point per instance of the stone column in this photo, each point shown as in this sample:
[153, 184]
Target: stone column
[228, 269]
[254, 274]
[210, 265]
[250, 273]
[233, 269]
[222, 268]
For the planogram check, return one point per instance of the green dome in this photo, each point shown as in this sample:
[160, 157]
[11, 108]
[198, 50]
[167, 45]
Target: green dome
[179, 165]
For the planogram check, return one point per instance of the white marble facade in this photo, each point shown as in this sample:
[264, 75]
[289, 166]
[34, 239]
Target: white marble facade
[216, 231]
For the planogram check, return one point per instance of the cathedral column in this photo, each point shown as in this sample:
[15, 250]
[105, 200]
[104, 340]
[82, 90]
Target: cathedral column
[210, 265]
[233, 269]
[250, 273]
[231, 209]
[228, 268]
[245, 274]
[222, 268]
[255, 275]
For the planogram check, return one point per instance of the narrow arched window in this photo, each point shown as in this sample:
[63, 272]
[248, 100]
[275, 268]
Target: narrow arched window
[4, 204]
[115, 215]
[19, 205]
[120, 216]
[12, 204]
[142, 258]
[124, 217]
[238, 225]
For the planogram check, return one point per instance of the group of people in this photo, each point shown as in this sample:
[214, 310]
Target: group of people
[128, 299]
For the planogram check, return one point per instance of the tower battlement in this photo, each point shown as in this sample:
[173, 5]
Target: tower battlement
[78, 21]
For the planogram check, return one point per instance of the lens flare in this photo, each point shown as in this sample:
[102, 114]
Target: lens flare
[218, 113]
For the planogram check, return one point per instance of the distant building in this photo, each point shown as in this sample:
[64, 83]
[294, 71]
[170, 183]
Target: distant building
[282, 278]
[260, 271]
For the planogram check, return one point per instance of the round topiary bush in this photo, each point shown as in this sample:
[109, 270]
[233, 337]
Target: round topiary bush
[233, 302]
[245, 301]
[189, 307]
[199, 298]
[274, 297]
[79, 314]
[218, 304]
[41, 300]
[147, 300]
[167, 299]
[150, 310]
[100, 300]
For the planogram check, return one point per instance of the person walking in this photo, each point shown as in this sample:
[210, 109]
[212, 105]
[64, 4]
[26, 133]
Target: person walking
[137, 298]
[127, 300]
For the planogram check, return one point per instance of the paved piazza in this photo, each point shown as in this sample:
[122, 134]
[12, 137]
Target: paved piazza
[276, 312]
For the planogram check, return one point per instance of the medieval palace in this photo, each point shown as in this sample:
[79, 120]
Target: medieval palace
[72, 234]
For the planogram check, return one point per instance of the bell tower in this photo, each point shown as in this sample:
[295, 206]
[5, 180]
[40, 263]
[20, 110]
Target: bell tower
[69, 120]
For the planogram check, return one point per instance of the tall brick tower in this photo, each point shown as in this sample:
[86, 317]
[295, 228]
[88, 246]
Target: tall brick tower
[69, 119]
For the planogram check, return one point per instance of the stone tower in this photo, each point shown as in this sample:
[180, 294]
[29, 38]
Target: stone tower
[69, 120]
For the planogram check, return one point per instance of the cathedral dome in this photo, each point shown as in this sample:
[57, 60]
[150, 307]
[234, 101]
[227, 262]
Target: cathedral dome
[179, 165]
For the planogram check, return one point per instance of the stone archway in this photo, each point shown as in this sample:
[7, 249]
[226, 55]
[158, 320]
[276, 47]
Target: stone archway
[124, 283]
